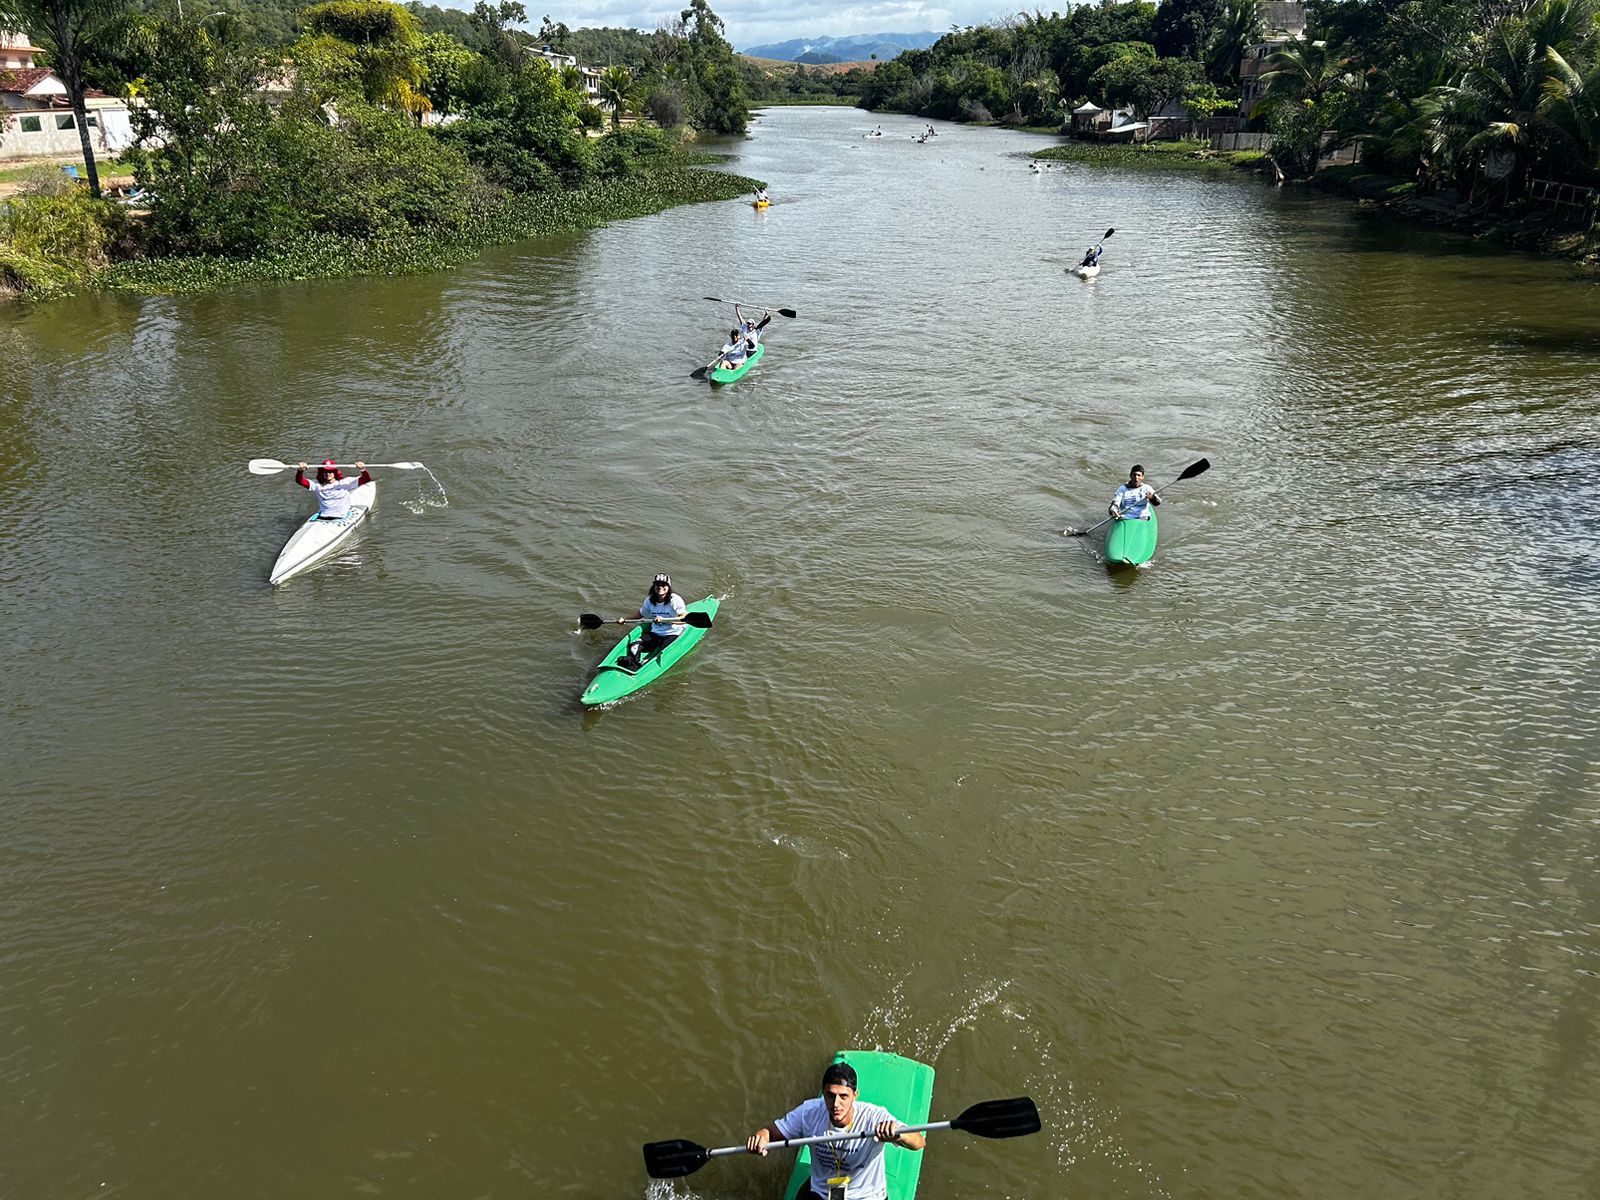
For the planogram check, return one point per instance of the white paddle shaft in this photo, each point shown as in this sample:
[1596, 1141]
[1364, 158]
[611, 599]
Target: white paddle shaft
[825, 1137]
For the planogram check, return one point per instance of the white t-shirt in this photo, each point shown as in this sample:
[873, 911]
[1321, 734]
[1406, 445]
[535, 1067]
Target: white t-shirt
[1134, 503]
[333, 497]
[861, 1160]
[734, 351]
[673, 607]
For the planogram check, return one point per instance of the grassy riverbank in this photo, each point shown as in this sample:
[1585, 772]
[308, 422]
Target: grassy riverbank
[509, 220]
[1160, 156]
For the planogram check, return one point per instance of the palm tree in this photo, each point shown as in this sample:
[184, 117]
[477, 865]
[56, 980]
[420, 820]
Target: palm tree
[1503, 101]
[1310, 82]
[616, 92]
[1572, 104]
[1240, 29]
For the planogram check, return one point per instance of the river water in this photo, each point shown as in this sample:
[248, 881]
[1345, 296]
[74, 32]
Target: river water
[1268, 870]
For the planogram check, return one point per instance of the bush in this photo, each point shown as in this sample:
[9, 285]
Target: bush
[56, 235]
[637, 148]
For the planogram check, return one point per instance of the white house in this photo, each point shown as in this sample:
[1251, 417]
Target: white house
[556, 61]
[37, 120]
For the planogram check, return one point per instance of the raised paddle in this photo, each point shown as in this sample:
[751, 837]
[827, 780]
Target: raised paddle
[699, 620]
[782, 312]
[990, 1119]
[271, 466]
[1189, 472]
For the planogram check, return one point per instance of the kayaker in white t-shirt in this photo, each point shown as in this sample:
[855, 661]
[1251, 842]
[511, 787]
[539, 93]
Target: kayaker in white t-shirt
[1134, 498]
[734, 353]
[667, 607]
[761, 196]
[836, 1111]
[751, 328]
[331, 488]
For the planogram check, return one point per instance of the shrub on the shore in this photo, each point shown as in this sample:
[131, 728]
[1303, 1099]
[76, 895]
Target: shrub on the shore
[54, 235]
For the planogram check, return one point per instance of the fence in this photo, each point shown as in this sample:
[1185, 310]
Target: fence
[1263, 141]
[1581, 202]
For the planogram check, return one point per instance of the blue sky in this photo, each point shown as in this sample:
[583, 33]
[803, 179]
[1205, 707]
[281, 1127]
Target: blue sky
[752, 22]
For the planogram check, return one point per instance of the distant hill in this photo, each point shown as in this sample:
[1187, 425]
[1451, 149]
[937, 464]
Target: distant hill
[821, 50]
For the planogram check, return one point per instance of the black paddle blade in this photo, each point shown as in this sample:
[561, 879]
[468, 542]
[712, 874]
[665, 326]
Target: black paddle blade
[698, 619]
[674, 1159]
[1109, 232]
[589, 621]
[1000, 1119]
[699, 372]
[1193, 469]
[787, 312]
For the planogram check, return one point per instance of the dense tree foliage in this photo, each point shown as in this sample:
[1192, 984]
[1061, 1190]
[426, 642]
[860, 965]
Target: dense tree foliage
[1455, 92]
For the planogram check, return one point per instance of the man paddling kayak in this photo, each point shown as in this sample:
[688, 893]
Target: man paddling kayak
[1091, 256]
[1134, 498]
[667, 607]
[331, 488]
[835, 1111]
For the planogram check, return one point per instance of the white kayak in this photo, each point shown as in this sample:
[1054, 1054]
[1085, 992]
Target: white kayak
[317, 538]
[1086, 272]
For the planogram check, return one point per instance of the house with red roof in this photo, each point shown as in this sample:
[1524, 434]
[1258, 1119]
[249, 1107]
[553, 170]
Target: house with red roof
[36, 121]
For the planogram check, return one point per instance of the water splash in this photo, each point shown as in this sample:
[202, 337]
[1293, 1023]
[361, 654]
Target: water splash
[424, 500]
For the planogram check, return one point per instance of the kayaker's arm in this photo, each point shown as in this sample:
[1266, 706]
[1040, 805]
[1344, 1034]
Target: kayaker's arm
[757, 1142]
[300, 476]
[888, 1131]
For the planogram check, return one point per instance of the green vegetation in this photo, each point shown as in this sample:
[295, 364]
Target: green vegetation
[260, 160]
[1164, 156]
[1455, 95]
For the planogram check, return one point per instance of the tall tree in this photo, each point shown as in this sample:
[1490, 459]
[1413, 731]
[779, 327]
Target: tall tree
[71, 30]
[616, 92]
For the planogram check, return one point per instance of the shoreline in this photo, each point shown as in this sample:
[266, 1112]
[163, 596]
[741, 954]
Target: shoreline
[514, 219]
[1528, 230]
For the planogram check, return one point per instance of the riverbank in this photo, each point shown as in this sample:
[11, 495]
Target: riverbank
[511, 219]
[1529, 228]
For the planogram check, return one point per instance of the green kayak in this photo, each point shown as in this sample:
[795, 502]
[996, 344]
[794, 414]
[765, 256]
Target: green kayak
[1131, 542]
[739, 372]
[612, 682]
[903, 1086]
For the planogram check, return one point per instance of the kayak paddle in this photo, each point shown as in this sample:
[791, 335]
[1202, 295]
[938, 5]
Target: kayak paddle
[988, 1119]
[699, 620]
[270, 466]
[782, 312]
[1189, 472]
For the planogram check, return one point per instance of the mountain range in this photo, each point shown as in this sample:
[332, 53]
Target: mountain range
[857, 48]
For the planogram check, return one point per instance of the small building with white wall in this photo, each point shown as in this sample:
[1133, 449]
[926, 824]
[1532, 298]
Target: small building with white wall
[36, 119]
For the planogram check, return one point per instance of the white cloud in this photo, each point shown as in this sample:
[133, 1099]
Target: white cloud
[752, 22]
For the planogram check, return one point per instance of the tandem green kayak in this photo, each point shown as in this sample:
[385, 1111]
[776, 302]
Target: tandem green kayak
[1131, 542]
[739, 372]
[613, 682]
[903, 1086]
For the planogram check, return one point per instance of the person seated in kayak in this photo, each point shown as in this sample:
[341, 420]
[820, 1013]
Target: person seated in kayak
[761, 196]
[734, 353]
[1091, 257]
[835, 1111]
[332, 489]
[667, 607]
[751, 328]
[1134, 499]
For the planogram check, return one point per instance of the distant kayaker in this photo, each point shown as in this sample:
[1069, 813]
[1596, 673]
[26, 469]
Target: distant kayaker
[761, 196]
[1091, 257]
[667, 607]
[331, 488]
[836, 1111]
[1134, 498]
